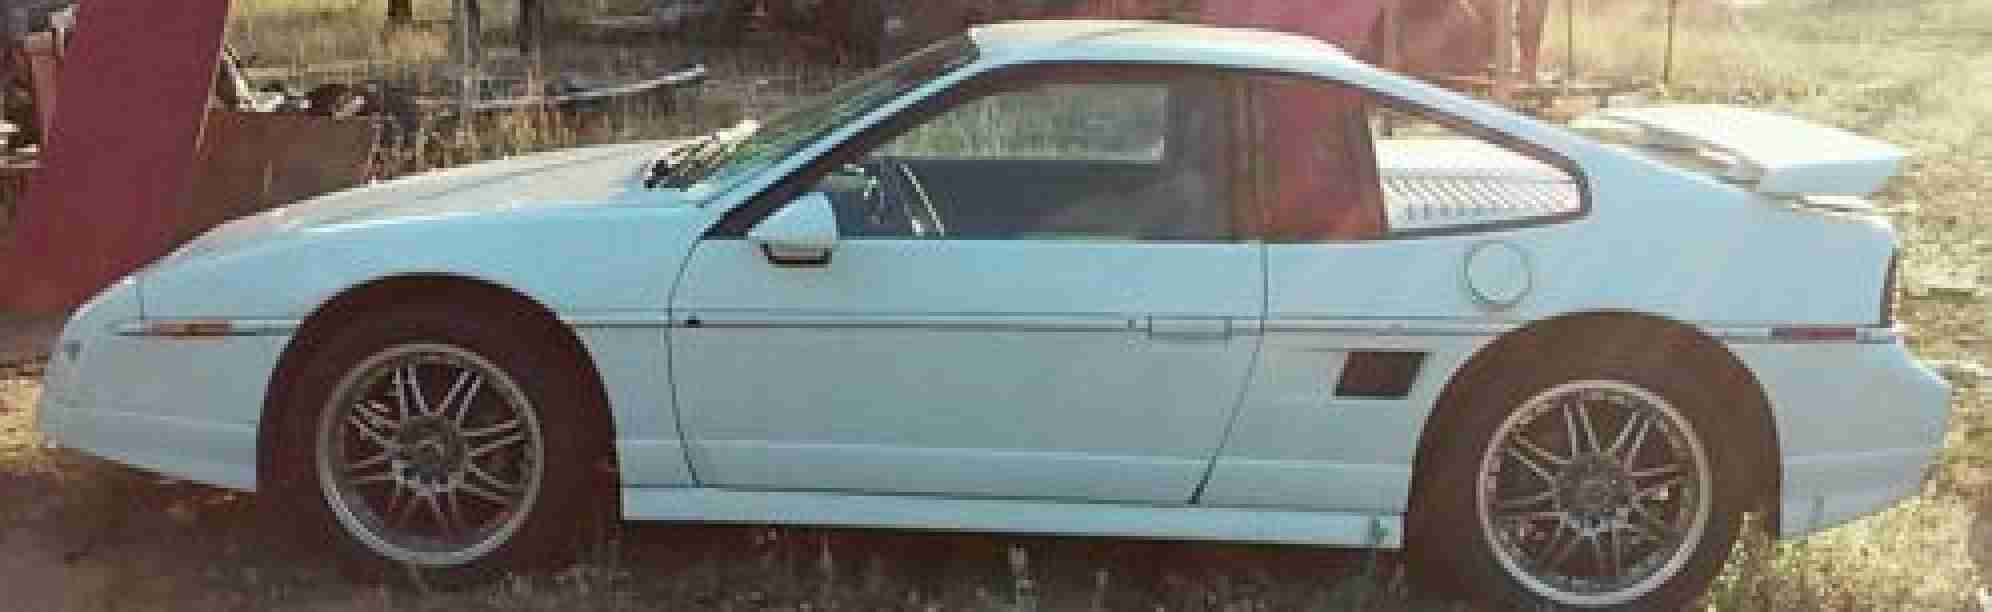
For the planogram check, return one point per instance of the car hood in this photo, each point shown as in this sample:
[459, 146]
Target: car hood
[590, 176]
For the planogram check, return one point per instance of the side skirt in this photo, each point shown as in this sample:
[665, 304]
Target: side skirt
[1013, 516]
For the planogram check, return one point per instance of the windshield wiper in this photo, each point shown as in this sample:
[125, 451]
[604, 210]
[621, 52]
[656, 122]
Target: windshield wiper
[698, 167]
[700, 158]
[673, 163]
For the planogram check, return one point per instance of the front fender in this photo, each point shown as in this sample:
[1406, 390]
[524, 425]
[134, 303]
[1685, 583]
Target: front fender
[594, 260]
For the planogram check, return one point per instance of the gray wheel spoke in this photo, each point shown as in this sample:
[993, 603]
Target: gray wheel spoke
[442, 518]
[378, 458]
[373, 478]
[1580, 424]
[1537, 451]
[1526, 462]
[1526, 501]
[497, 444]
[1671, 468]
[401, 394]
[410, 391]
[495, 482]
[375, 413]
[1570, 432]
[1634, 424]
[1536, 515]
[1650, 492]
[491, 430]
[366, 430]
[459, 397]
[479, 492]
[1631, 453]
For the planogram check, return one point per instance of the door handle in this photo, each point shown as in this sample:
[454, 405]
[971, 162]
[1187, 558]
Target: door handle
[1188, 328]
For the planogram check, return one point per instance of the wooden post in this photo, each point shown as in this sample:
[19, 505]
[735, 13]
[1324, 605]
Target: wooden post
[531, 29]
[1569, 42]
[1503, 87]
[1393, 33]
[1667, 65]
[400, 12]
[467, 30]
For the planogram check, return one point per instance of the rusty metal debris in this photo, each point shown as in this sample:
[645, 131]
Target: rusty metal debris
[212, 147]
[333, 128]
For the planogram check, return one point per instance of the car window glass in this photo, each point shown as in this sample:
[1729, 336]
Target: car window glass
[1098, 159]
[810, 121]
[1366, 168]
[1055, 121]
[1435, 176]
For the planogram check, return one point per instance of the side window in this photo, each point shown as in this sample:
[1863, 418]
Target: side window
[1055, 153]
[1056, 121]
[1366, 167]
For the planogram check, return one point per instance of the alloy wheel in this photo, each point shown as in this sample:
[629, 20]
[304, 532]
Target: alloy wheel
[429, 454]
[1594, 492]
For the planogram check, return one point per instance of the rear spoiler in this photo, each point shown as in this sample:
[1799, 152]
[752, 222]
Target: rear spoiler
[1776, 154]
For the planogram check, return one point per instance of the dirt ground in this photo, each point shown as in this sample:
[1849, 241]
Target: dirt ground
[82, 534]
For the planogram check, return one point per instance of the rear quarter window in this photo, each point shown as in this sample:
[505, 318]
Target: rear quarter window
[1335, 162]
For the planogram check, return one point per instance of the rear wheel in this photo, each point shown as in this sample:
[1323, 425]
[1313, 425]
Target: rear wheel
[1597, 484]
[453, 445]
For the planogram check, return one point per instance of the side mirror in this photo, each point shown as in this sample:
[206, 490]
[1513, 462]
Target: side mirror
[800, 234]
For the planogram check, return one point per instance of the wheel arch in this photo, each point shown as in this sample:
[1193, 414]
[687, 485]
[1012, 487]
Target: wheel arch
[1625, 330]
[386, 292]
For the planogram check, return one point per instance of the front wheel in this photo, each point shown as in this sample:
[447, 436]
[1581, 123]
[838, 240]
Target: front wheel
[1600, 486]
[454, 446]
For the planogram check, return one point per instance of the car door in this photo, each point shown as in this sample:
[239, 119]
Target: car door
[1038, 292]
[1398, 242]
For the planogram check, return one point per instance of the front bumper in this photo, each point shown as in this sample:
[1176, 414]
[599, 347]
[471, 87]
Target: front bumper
[186, 408]
[1858, 425]
[62, 392]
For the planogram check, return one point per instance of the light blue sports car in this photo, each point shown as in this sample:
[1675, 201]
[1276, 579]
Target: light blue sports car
[1078, 277]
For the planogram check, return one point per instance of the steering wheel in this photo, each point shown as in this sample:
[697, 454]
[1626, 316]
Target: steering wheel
[910, 200]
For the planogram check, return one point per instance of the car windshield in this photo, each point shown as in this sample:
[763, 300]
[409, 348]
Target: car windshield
[804, 124]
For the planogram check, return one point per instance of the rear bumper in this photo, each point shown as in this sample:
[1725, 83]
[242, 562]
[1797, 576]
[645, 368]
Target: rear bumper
[1858, 426]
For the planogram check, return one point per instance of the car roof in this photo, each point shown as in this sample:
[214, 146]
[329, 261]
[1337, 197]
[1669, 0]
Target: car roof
[1097, 40]
[1157, 41]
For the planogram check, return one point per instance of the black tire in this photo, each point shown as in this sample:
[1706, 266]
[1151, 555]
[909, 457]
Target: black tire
[1452, 531]
[571, 510]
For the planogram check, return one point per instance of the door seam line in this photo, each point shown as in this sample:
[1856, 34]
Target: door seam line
[1244, 388]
